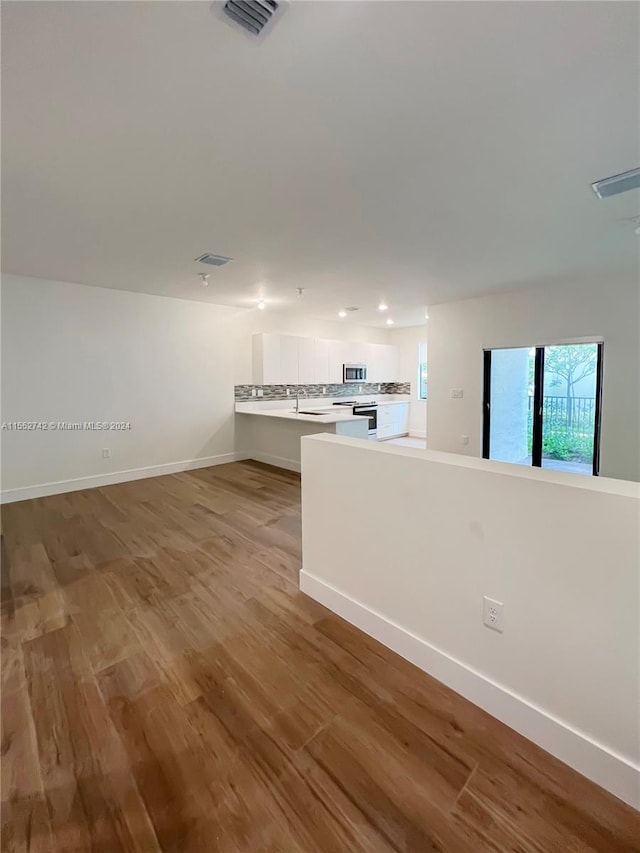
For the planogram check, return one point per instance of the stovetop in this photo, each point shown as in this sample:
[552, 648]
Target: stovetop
[355, 403]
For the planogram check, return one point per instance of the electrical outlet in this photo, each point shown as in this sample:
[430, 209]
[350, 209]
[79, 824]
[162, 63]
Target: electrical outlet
[260, 392]
[254, 392]
[106, 453]
[464, 439]
[493, 614]
[324, 390]
[457, 393]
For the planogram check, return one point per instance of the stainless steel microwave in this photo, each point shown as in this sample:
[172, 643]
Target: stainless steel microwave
[354, 372]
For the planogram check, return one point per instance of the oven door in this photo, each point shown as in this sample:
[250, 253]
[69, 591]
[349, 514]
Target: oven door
[372, 414]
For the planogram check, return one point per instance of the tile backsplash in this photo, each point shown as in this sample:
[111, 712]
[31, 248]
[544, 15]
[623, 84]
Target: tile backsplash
[277, 392]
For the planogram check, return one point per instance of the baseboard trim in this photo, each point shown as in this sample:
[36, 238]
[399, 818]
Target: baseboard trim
[277, 461]
[44, 489]
[594, 760]
[417, 433]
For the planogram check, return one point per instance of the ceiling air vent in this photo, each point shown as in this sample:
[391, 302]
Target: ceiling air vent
[213, 260]
[251, 14]
[617, 184]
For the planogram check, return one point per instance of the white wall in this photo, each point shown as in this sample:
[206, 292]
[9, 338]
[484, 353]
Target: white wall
[559, 550]
[408, 341]
[77, 353]
[458, 332]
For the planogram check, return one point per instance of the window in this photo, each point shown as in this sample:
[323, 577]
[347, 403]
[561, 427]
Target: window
[422, 371]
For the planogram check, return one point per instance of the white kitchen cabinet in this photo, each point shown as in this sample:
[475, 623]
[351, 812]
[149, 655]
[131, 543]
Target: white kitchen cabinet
[393, 421]
[382, 363]
[386, 423]
[389, 363]
[401, 418]
[341, 353]
[355, 352]
[292, 360]
[266, 359]
[372, 360]
[307, 361]
[313, 361]
[275, 359]
[338, 355]
[289, 354]
[321, 361]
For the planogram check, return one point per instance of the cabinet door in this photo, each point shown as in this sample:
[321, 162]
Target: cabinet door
[354, 350]
[401, 418]
[268, 359]
[289, 351]
[337, 353]
[321, 371]
[307, 361]
[372, 358]
[389, 362]
[386, 422]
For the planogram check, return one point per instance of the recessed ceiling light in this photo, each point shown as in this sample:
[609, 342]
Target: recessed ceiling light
[617, 183]
[262, 304]
[389, 322]
[342, 313]
[426, 314]
[383, 306]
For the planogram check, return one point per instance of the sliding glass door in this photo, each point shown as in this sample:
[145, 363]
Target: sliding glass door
[542, 406]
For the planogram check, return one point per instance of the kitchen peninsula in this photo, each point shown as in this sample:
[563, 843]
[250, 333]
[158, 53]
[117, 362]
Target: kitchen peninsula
[270, 430]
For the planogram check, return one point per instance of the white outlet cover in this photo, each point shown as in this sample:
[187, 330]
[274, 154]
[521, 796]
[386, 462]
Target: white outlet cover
[493, 614]
[457, 393]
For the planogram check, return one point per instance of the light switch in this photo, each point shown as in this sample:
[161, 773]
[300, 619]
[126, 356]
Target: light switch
[457, 393]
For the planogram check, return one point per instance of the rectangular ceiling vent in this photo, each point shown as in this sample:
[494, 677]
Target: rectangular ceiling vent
[617, 184]
[213, 260]
[251, 14]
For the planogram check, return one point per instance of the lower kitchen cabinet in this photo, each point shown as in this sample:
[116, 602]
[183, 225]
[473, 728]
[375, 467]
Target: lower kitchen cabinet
[393, 421]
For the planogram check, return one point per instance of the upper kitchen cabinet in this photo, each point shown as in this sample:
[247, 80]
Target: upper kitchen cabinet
[383, 363]
[344, 352]
[321, 362]
[313, 361]
[275, 359]
[291, 360]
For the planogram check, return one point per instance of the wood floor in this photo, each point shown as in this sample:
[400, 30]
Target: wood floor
[166, 687]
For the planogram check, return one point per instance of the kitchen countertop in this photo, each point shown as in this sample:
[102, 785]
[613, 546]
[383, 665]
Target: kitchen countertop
[330, 414]
[330, 417]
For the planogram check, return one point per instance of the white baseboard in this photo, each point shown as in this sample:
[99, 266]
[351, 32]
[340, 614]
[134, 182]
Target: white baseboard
[278, 461]
[594, 760]
[417, 433]
[43, 489]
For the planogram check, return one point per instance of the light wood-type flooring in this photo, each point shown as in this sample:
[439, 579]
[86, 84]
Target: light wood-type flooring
[166, 687]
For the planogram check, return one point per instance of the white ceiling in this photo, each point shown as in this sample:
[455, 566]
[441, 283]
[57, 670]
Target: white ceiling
[412, 151]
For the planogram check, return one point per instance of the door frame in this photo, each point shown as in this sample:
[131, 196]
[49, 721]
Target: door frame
[538, 401]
